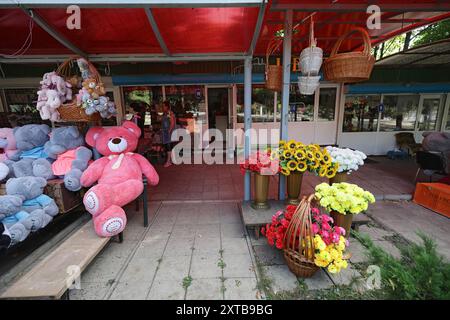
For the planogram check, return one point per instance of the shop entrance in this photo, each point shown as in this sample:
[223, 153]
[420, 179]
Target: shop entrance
[219, 110]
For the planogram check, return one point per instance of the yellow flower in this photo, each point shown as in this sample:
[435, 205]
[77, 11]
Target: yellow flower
[287, 154]
[318, 155]
[292, 144]
[300, 145]
[333, 269]
[301, 166]
[285, 171]
[292, 165]
[314, 164]
[300, 154]
[282, 144]
[322, 171]
[309, 155]
[330, 172]
[326, 157]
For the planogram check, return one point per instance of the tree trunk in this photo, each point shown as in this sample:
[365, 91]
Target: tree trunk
[407, 41]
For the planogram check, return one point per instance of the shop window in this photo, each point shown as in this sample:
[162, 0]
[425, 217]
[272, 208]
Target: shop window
[189, 104]
[361, 113]
[20, 107]
[111, 121]
[327, 104]
[429, 114]
[262, 104]
[144, 100]
[301, 107]
[399, 113]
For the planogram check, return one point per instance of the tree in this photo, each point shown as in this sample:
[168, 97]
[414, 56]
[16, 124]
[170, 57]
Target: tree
[433, 32]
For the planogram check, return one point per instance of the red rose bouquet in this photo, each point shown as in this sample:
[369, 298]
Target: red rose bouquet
[260, 162]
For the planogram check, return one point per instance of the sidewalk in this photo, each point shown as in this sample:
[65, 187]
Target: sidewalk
[385, 178]
[190, 251]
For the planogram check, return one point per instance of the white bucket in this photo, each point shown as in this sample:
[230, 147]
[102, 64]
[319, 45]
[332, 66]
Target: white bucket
[308, 84]
[311, 60]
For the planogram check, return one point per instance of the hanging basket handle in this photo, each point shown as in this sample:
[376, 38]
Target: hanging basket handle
[366, 40]
[64, 68]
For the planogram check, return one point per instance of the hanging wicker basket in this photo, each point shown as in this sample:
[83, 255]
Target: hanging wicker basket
[70, 111]
[274, 72]
[307, 85]
[311, 57]
[299, 241]
[350, 67]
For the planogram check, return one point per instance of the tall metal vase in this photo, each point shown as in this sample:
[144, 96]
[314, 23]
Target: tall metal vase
[294, 187]
[261, 183]
[339, 177]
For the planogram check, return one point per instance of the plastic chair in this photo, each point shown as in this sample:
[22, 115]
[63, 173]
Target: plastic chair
[430, 162]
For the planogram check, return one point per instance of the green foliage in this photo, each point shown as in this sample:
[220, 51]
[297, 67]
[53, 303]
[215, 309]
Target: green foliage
[187, 281]
[421, 274]
[432, 33]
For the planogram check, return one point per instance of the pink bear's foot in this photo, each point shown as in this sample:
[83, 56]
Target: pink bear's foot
[111, 222]
[97, 199]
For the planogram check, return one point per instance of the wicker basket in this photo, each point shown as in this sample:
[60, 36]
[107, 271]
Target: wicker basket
[70, 111]
[298, 241]
[274, 73]
[350, 67]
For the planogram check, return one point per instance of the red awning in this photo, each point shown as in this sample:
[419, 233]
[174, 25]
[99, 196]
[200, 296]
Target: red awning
[205, 30]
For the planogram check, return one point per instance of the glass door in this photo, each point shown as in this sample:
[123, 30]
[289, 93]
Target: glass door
[326, 115]
[429, 111]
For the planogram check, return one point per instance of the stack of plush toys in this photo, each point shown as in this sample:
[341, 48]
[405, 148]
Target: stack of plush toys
[33, 154]
[91, 96]
[54, 91]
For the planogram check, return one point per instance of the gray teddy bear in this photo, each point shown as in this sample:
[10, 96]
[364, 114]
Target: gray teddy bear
[25, 208]
[31, 160]
[66, 146]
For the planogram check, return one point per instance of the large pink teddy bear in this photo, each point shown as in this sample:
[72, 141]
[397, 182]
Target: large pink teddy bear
[119, 175]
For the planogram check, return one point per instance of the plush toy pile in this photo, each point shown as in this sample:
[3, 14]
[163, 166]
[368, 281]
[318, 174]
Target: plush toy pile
[91, 95]
[24, 209]
[118, 175]
[54, 91]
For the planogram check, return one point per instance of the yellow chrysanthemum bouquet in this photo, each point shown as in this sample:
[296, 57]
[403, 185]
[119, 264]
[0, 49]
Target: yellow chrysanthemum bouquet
[294, 156]
[330, 256]
[344, 198]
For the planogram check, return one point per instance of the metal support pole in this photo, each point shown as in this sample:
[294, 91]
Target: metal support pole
[287, 46]
[247, 121]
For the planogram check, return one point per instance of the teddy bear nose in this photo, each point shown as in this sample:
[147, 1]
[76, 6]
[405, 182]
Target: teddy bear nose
[116, 140]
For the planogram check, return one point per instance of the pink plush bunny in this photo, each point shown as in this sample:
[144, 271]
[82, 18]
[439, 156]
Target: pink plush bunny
[118, 173]
[8, 146]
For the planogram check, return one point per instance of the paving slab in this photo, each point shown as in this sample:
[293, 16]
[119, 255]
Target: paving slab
[205, 266]
[346, 276]
[179, 246]
[207, 245]
[267, 255]
[205, 289]
[238, 265]
[242, 289]
[173, 268]
[281, 278]
[134, 290]
[103, 269]
[166, 290]
[375, 233]
[318, 281]
[139, 269]
[151, 249]
[208, 230]
[389, 247]
[235, 246]
[90, 291]
[232, 230]
[358, 251]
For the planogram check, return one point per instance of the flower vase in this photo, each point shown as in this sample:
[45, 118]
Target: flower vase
[261, 183]
[339, 177]
[343, 221]
[294, 187]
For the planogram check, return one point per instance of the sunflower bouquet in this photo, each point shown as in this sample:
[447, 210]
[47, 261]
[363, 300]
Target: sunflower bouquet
[295, 156]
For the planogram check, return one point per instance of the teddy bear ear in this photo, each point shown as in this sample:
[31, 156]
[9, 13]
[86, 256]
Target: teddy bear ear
[92, 135]
[132, 127]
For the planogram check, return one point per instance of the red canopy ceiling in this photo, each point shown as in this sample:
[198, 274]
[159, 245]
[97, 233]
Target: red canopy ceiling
[209, 30]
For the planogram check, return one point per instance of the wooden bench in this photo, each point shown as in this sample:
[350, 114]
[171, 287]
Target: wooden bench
[51, 277]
